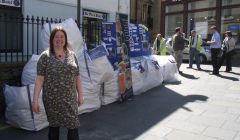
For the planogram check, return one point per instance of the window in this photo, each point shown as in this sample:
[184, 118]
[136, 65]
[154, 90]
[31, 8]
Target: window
[11, 31]
[201, 22]
[230, 2]
[230, 20]
[92, 32]
[171, 22]
[201, 4]
[174, 8]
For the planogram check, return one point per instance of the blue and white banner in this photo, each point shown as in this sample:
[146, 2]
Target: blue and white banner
[135, 42]
[144, 35]
[97, 52]
[109, 38]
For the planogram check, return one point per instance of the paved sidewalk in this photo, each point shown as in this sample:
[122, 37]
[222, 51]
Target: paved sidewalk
[202, 107]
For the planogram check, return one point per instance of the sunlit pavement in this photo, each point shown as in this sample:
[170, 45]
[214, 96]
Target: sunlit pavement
[202, 107]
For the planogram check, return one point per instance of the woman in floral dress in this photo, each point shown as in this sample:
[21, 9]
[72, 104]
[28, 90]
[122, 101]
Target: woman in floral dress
[58, 78]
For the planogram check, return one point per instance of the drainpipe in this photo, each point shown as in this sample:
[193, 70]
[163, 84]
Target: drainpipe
[78, 12]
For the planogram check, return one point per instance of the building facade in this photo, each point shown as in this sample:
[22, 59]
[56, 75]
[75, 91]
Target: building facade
[200, 15]
[147, 12]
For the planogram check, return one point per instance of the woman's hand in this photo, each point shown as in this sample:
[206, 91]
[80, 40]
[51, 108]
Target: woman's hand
[35, 107]
[80, 100]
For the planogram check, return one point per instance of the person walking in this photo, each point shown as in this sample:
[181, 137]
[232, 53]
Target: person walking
[159, 45]
[215, 45]
[58, 78]
[227, 48]
[194, 45]
[178, 46]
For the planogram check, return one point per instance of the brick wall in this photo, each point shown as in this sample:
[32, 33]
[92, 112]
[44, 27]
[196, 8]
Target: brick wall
[11, 75]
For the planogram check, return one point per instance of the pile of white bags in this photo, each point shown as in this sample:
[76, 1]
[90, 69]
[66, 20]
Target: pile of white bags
[99, 80]
[18, 110]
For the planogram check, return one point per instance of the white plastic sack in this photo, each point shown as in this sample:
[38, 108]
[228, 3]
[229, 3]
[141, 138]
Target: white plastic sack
[138, 77]
[154, 76]
[74, 35]
[147, 79]
[170, 71]
[110, 92]
[29, 72]
[18, 111]
[91, 98]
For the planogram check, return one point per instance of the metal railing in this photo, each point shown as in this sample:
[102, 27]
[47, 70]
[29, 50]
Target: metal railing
[20, 37]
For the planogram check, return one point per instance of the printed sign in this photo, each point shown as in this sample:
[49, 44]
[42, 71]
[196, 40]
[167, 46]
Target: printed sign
[144, 35]
[93, 14]
[12, 3]
[123, 49]
[109, 38]
[97, 52]
[135, 42]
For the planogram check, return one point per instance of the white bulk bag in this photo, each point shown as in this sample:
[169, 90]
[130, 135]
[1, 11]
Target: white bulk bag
[170, 71]
[154, 76]
[110, 91]
[18, 111]
[29, 72]
[138, 78]
[74, 35]
[91, 97]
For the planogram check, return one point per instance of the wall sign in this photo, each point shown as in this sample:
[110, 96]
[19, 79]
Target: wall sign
[12, 3]
[135, 42]
[94, 14]
[109, 38]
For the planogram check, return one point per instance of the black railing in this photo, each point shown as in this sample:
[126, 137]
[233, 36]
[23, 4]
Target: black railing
[20, 37]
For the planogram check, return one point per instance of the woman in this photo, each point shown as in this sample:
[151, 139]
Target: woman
[159, 45]
[58, 77]
[227, 48]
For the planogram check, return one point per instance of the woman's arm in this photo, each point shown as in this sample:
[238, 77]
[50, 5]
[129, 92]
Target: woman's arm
[37, 89]
[79, 90]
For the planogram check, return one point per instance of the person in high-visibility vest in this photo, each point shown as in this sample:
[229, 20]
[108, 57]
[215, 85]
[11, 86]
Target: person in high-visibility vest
[194, 45]
[159, 45]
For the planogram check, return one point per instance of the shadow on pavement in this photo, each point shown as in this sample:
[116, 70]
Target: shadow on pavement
[131, 119]
[231, 72]
[228, 77]
[120, 121]
[188, 76]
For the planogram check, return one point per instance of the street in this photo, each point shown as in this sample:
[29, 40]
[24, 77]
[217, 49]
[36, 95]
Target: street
[202, 107]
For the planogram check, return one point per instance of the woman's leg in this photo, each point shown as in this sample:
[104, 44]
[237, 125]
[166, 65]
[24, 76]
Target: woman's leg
[53, 133]
[73, 134]
[221, 60]
[228, 62]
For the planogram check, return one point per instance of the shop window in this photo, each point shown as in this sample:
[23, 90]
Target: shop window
[201, 22]
[92, 32]
[201, 4]
[230, 21]
[171, 22]
[230, 2]
[174, 8]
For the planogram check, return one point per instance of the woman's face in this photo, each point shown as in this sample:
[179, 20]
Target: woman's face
[59, 39]
[226, 35]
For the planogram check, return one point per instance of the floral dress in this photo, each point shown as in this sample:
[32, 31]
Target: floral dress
[59, 89]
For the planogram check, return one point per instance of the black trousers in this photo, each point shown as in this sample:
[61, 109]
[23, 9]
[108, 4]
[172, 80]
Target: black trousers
[53, 134]
[215, 59]
[228, 57]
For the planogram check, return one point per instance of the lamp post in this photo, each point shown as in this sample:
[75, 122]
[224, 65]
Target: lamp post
[78, 12]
